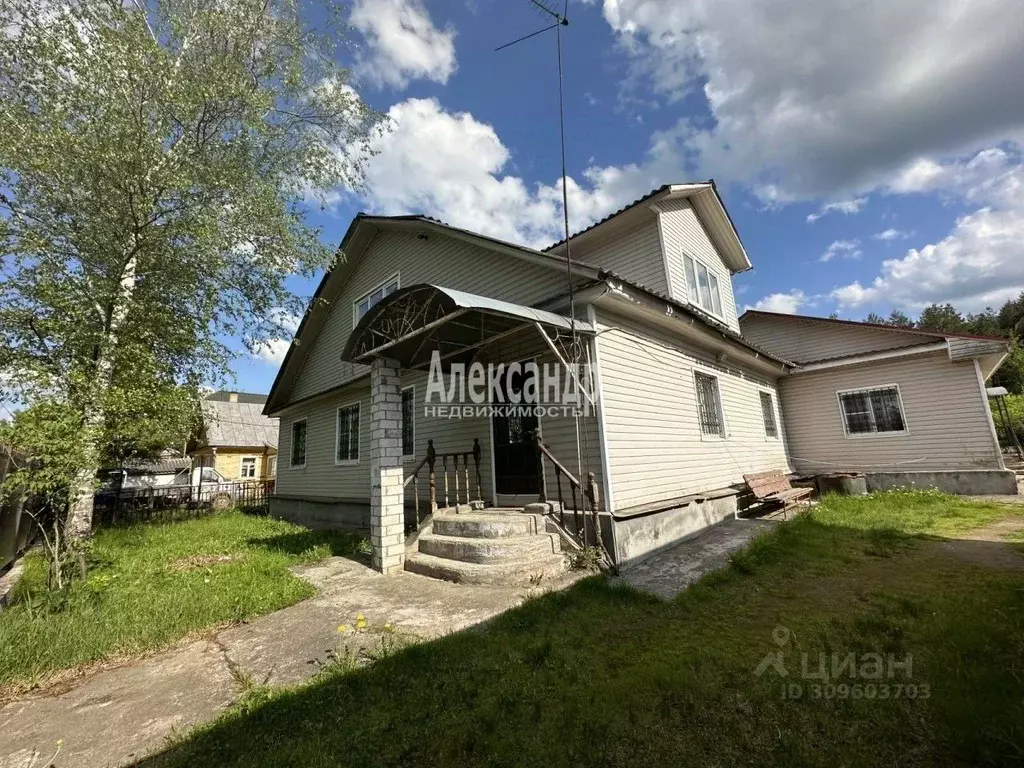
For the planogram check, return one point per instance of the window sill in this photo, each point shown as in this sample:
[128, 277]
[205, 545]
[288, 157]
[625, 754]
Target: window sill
[297, 466]
[346, 462]
[872, 435]
[714, 438]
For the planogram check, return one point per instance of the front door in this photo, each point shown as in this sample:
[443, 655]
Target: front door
[515, 452]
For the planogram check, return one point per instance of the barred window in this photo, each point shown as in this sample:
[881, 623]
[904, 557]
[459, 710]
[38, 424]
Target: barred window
[709, 405]
[298, 454]
[872, 411]
[771, 427]
[347, 436]
[408, 422]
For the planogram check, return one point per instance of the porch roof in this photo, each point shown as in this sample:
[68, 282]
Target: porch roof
[412, 322]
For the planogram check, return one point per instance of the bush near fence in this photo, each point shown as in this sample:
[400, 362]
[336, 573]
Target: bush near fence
[168, 503]
[1015, 405]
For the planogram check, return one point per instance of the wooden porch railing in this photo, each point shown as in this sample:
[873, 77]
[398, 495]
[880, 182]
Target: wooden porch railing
[587, 498]
[461, 485]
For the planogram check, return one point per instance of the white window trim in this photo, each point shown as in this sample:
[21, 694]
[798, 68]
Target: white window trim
[870, 435]
[695, 300]
[291, 444]
[775, 411]
[717, 376]
[395, 278]
[411, 456]
[241, 464]
[337, 433]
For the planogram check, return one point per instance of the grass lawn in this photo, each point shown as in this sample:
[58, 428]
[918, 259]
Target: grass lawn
[150, 585]
[601, 675]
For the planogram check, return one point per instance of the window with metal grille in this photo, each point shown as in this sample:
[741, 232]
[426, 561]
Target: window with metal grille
[872, 411]
[709, 405]
[298, 454]
[346, 442]
[408, 422]
[771, 427]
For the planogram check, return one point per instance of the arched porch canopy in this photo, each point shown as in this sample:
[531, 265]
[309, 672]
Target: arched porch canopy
[412, 322]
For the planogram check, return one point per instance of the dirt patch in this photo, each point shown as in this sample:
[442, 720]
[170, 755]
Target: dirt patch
[195, 562]
[991, 546]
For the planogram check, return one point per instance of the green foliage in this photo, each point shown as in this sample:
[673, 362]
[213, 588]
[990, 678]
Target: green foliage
[1015, 406]
[584, 559]
[605, 675]
[1011, 372]
[155, 158]
[941, 318]
[149, 585]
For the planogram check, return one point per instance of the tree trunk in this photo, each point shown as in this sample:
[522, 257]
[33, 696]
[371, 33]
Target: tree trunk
[79, 522]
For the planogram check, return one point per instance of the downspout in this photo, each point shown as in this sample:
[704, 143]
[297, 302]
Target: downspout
[606, 475]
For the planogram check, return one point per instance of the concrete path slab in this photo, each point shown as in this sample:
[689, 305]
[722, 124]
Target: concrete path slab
[117, 716]
[670, 571]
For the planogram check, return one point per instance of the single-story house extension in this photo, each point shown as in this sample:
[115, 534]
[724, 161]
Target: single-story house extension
[904, 406]
[649, 403]
[236, 438]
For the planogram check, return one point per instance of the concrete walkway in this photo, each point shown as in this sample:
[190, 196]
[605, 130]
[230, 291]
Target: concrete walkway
[119, 715]
[672, 570]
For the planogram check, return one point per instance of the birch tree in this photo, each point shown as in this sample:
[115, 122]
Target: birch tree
[156, 160]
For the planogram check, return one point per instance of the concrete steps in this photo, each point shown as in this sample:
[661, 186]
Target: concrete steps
[488, 547]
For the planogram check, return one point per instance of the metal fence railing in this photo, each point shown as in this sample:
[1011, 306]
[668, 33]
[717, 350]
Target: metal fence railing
[177, 502]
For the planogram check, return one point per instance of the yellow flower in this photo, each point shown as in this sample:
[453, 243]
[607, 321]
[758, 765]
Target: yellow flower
[360, 621]
[388, 628]
[342, 629]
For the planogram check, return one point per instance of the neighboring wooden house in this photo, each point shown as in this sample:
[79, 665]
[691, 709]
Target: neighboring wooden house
[236, 438]
[684, 405]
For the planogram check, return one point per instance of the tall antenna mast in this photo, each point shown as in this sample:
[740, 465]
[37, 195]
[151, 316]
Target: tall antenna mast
[558, 21]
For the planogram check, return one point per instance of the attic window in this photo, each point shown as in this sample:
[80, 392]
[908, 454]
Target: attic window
[702, 284]
[365, 303]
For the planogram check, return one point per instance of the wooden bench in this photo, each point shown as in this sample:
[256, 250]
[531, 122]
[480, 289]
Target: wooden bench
[775, 486]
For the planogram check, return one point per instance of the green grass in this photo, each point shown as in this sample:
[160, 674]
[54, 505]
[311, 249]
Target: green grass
[602, 675]
[151, 584]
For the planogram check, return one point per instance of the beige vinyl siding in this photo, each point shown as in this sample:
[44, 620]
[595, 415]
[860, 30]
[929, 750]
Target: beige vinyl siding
[683, 232]
[804, 341]
[655, 449]
[947, 419]
[322, 479]
[437, 260]
[635, 255]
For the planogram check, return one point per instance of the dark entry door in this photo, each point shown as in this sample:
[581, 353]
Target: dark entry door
[515, 454]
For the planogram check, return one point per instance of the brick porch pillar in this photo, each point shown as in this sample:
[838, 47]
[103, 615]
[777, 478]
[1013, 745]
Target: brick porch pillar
[387, 496]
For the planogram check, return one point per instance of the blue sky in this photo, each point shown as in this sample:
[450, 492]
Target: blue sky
[869, 152]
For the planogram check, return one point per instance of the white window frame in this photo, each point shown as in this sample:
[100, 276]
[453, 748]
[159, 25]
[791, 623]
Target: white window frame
[875, 387]
[291, 444]
[696, 299]
[357, 404]
[241, 467]
[382, 286]
[271, 466]
[775, 414]
[721, 404]
[410, 456]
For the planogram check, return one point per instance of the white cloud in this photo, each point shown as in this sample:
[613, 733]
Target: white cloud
[783, 303]
[980, 262]
[273, 350]
[815, 98]
[402, 43]
[846, 249]
[853, 205]
[452, 166]
[892, 234]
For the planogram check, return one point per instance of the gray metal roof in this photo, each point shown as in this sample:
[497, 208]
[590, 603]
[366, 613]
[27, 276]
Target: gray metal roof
[238, 424]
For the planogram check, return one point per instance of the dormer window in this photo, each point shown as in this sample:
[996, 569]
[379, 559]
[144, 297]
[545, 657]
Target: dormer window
[702, 285]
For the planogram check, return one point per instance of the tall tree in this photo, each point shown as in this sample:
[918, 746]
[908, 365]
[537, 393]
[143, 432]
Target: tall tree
[900, 319]
[155, 159]
[942, 318]
[874, 318]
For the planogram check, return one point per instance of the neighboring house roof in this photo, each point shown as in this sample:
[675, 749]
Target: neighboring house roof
[226, 395]
[239, 424]
[165, 465]
[706, 200]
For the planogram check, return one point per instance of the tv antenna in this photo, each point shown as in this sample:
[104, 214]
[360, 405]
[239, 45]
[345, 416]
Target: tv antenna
[547, 9]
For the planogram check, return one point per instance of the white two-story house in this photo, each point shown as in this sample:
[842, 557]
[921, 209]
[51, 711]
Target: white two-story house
[636, 318]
